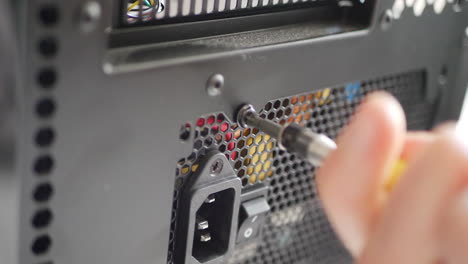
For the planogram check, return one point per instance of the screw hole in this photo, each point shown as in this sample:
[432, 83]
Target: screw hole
[214, 84]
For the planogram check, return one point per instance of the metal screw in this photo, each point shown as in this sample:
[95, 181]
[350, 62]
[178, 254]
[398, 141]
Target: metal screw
[89, 16]
[216, 167]
[215, 84]
[386, 20]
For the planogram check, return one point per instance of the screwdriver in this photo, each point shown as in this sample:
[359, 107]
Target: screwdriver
[311, 146]
[293, 138]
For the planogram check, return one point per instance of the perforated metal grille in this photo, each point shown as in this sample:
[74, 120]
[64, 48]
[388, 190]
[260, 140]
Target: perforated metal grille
[138, 12]
[296, 230]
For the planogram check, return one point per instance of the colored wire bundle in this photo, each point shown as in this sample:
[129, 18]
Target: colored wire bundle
[147, 9]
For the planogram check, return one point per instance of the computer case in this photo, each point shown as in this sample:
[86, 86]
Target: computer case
[118, 131]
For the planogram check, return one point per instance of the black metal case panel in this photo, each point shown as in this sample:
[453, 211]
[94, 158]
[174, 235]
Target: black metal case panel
[108, 176]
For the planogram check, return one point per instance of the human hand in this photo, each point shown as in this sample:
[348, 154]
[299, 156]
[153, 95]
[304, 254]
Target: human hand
[425, 218]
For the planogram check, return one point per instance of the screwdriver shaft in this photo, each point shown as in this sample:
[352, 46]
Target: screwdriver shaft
[293, 138]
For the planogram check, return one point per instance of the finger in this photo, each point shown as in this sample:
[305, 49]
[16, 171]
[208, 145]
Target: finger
[454, 229]
[444, 127]
[414, 143]
[407, 231]
[349, 179]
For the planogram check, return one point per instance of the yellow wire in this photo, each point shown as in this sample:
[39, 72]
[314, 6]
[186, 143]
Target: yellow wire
[152, 2]
[133, 5]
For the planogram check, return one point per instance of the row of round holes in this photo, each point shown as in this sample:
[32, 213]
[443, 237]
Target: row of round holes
[45, 108]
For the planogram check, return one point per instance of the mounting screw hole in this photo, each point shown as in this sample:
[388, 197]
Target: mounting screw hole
[386, 20]
[89, 16]
[215, 84]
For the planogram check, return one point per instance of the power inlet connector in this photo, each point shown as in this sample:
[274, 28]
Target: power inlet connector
[209, 211]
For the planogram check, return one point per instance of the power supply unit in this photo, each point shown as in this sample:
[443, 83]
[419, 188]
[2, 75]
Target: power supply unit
[118, 138]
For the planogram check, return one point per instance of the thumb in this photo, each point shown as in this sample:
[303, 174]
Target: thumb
[349, 179]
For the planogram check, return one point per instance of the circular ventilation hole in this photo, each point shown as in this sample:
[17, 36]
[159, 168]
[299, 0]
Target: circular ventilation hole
[45, 108]
[41, 245]
[47, 78]
[45, 137]
[48, 47]
[43, 192]
[49, 15]
[43, 165]
[42, 218]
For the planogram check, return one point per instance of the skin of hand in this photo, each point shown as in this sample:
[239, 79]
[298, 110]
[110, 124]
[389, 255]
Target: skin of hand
[425, 218]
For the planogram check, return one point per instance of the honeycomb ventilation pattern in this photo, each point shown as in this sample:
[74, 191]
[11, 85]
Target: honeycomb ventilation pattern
[297, 229]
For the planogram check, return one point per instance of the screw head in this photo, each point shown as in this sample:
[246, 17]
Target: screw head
[216, 167]
[243, 113]
[386, 20]
[215, 84]
[89, 16]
